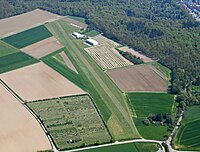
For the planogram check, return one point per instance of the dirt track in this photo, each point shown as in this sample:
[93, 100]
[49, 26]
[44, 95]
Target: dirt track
[137, 54]
[24, 21]
[38, 81]
[138, 78]
[43, 48]
[19, 131]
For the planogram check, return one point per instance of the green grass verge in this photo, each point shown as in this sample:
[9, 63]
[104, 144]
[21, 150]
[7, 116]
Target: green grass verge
[129, 147]
[151, 103]
[92, 33]
[28, 37]
[108, 98]
[188, 135]
[164, 70]
[71, 118]
[6, 49]
[14, 61]
[80, 19]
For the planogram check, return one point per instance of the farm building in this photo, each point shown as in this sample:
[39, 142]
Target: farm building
[91, 42]
[78, 35]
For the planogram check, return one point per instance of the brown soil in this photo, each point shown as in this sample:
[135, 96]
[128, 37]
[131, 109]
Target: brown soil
[19, 130]
[38, 82]
[43, 48]
[25, 21]
[140, 78]
[137, 54]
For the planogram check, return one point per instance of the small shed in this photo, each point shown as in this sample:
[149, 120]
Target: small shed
[91, 42]
[78, 35]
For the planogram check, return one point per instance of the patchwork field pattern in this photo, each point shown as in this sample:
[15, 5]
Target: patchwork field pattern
[38, 81]
[43, 48]
[28, 37]
[188, 135]
[150, 103]
[72, 121]
[106, 57]
[19, 129]
[135, 53]
[6, 49]
[140, 78]
[15, 24]
[15, 60]
[74, 22]
[105, 41]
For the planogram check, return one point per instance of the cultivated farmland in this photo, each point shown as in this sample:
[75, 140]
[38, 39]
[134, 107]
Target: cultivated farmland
[15, 60]
[188, 135]
[19, 130]
[150, 103]
[75, 23]
[105, 41]
[130, 147]
[108, 98]
[15, 24]
[42, 48]
[6, 49]
[139, 78]
[135, 53]
[72, 121]
[28, 37]
[106, 57]
[38, 81]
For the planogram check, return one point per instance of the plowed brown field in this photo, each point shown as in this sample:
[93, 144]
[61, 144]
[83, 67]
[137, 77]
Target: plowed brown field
[141, 78]
[43, 48]
[24, 21]
[19, 131]
[38, 82]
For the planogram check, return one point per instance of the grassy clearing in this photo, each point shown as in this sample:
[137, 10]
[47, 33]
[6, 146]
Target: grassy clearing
[80, 19]
[14, 61]
[188, 135]
[108, 98]
[150, 103]
[92, 33]
[56, 63]
[164, 70]
[130, 147]
[28, 37]
[6, 49]
[71, 118]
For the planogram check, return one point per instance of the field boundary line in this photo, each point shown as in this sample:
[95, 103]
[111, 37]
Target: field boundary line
[31, 112]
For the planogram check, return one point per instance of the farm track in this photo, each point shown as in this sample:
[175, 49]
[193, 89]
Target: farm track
[119, 108]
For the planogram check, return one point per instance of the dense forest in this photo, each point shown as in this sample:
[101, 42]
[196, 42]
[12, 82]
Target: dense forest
[161, 29]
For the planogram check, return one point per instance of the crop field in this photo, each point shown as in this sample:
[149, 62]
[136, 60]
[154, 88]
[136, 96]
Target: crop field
[42, 48]
[38, 81]
[188, 135]
[15, 60]
[105, 41]
[19, 129]
[28, 37]
[140, 78]
[92, 33]
[150, 103]
[73, 21]
[71, 121]
[106, 57]
[108, 98]
[130, 147]
[18, 23]
[135, 53]
[6, 49]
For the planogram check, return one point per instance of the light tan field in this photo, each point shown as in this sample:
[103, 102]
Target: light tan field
[68, 62]
[24, 21]
[140, 78]
[75, 23]
[19, 130]
[105, 41]
[107, 57]
[43, 48]
[38, 82]
[135, 53]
